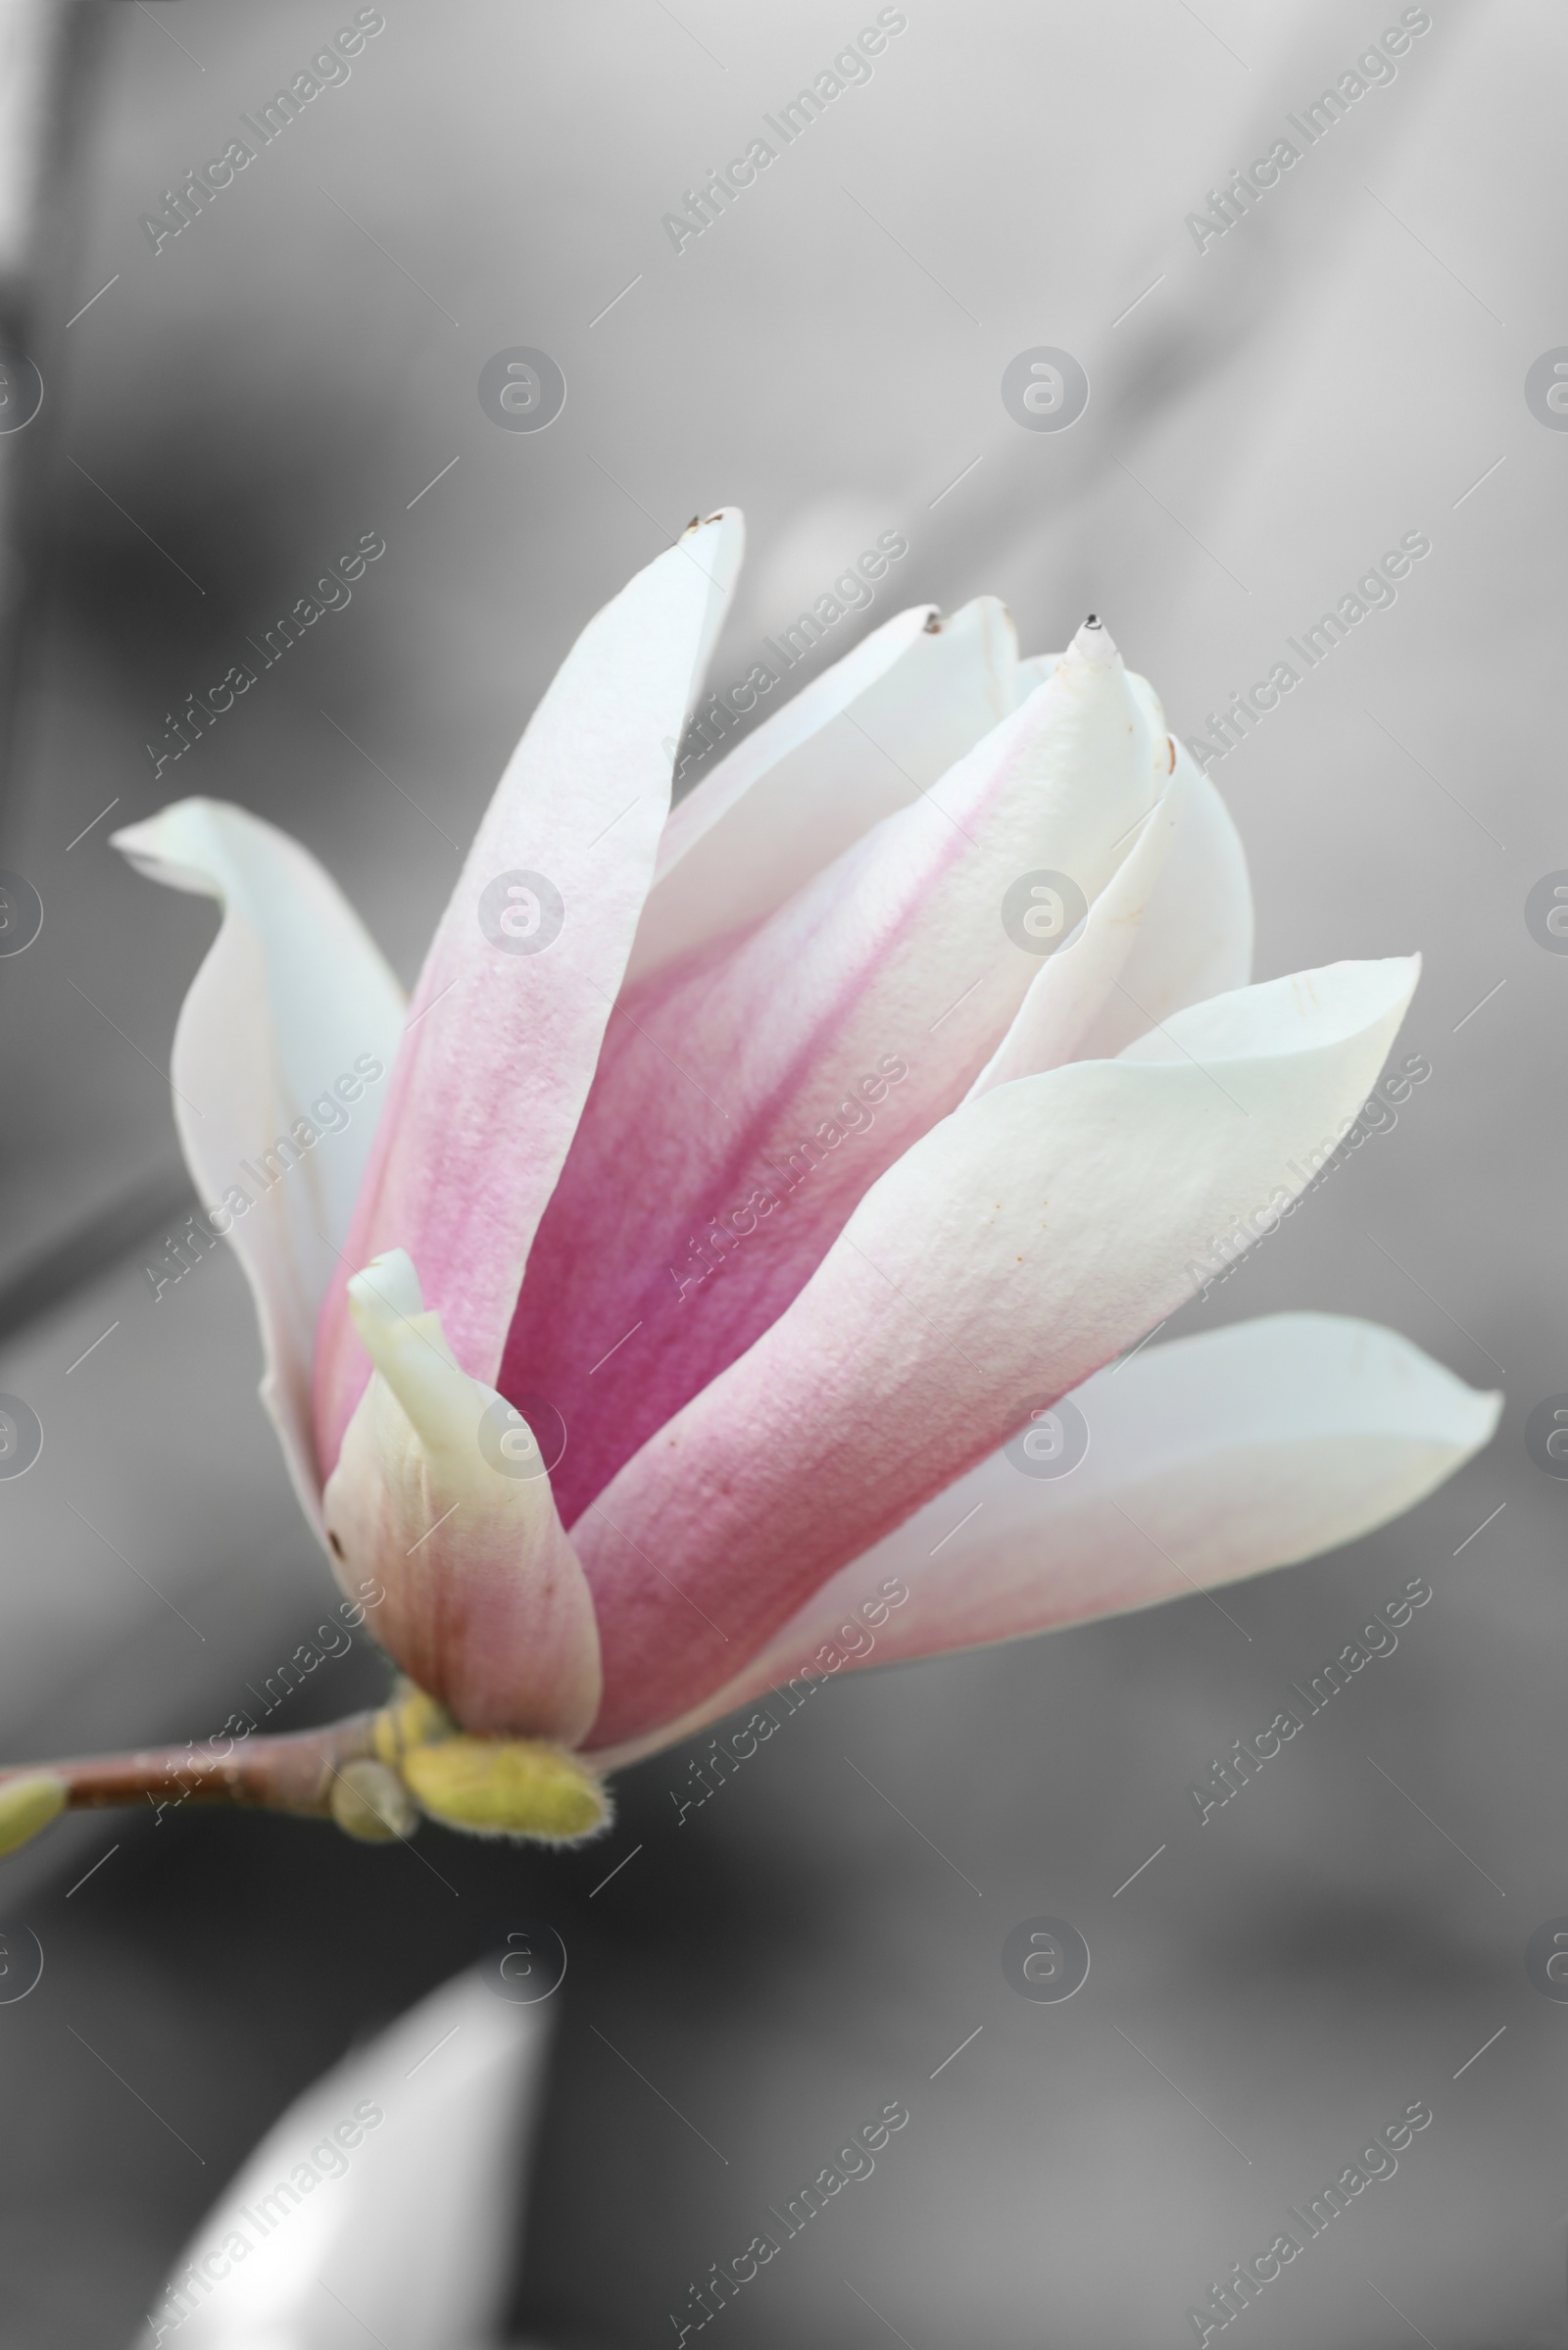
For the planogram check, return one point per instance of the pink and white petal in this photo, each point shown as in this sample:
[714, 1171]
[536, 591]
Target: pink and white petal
[503, 1038]
[1023, 1242]
[856, 745]
[1209, 1458]
[442, 1495]
[1196, 937]
[292, 994]
[742, 1087]
[415, 2241]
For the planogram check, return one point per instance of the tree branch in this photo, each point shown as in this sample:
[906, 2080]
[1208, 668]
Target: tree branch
[293, 1774]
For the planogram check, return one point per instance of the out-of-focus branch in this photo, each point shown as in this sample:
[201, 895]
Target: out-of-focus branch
[48, 52]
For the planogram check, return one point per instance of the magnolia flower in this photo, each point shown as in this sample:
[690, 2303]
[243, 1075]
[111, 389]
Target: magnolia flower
[682, 1291]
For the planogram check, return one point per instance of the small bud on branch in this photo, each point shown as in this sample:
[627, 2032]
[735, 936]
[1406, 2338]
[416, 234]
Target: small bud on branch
[372, 1772]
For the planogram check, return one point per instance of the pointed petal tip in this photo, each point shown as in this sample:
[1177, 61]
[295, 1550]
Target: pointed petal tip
[387, 1288]
[152, 842]
[1402, 973]
[721, 537]
[198, 843]
[1095, 644]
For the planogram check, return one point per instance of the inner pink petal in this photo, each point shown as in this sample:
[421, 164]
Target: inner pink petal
[747, 1098]
[693, 1208]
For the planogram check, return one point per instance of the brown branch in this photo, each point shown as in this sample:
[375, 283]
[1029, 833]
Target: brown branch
[293, 1774]
[373, 1774]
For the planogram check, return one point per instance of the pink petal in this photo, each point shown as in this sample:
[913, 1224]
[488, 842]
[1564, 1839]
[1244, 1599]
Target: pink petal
[501, 1044]
[1209, 1458]
[854, 745]
[837, 1032]
[293, 1005]
[1015, 1249]
[442, 1498]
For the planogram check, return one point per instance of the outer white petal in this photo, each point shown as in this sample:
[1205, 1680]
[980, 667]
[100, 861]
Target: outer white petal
[856, 745]
[410, 2242]
[1209, 1458]
[292, 993]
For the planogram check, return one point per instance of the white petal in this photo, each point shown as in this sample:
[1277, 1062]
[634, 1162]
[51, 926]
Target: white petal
[1209, 1458]
[1067, 998]
[1196, 936]
[292, 998]
[856, 745]
[1033, 669]
[410, 2235]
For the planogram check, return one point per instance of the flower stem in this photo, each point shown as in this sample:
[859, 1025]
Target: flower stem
[372, 1772]
[292, 1774]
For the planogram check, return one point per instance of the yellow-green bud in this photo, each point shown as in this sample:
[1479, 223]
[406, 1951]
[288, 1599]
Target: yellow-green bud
[371, 1802]
[506, 1786]
[26, 1805]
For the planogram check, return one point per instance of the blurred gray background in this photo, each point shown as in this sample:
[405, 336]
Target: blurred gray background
[1344, 365]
